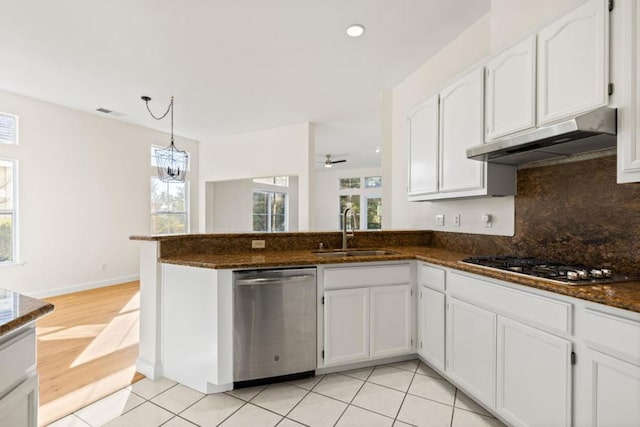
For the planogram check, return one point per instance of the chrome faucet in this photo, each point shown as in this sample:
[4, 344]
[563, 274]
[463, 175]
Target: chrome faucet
[348, 212]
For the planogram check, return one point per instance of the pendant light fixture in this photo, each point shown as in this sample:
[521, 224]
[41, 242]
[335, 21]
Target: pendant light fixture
[172, 163]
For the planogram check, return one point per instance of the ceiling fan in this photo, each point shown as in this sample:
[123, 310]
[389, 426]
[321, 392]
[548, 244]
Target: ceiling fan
[329, 163]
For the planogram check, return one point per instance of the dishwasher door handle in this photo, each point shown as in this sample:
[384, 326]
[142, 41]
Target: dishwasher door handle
[274, 280]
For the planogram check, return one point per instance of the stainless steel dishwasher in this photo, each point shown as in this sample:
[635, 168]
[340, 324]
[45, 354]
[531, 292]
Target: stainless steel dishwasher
[274, 325]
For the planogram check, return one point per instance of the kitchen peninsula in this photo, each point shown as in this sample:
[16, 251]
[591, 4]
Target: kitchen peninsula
[18, 375]
[514, 326]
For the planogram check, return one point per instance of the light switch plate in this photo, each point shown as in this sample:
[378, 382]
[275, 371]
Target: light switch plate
[440, 220]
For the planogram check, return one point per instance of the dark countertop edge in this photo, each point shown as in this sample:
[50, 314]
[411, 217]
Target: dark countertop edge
[25, 319]
[570, 291]
[157, 237]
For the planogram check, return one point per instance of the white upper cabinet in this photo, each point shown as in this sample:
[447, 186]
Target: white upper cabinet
[461, 123]
[440, 131]
[625, 69]
[510, 96]
[423, 148]
[573, 63]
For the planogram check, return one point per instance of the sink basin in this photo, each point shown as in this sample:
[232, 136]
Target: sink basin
[354, 252]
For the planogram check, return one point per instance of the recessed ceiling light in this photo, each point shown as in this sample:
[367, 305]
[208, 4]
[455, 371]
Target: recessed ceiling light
[355, 30]
[377, 149]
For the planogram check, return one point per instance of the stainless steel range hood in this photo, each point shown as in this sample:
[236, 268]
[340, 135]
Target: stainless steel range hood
[592, 131]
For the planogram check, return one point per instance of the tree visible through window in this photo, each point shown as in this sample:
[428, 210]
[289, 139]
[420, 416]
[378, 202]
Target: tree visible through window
[169, 207]
[7, 211]
[269, 211]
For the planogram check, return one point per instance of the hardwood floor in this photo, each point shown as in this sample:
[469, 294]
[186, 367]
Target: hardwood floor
[87, 348]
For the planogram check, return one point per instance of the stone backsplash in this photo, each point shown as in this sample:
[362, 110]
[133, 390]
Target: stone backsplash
[571, 212]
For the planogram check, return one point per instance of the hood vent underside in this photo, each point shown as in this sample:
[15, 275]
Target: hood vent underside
[592, 131]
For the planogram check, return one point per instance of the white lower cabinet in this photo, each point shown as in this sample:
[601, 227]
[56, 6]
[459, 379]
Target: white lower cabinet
[534, 376]
[20, 406]
[391, 316]
[363, 324]
[368, 312]
[346, 326]
[471, 349]
[614, 391]
[432, 327]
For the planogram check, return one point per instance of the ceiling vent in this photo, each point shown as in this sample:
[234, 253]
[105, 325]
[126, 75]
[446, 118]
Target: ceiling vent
[111, 112]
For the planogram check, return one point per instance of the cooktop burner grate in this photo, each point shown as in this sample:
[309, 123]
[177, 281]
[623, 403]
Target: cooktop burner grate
[549, 270]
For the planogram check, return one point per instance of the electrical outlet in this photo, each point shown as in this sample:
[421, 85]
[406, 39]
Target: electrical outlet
[440, 220]
[257, 244]
[487, 220]
[456, 220]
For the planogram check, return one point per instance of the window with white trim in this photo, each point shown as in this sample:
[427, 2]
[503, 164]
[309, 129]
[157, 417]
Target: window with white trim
[169, 207]
[269, 211]
[8, 211]
[364, 201]
[8, 129]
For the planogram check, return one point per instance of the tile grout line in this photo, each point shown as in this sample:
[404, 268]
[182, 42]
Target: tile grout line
[455, 397]
[354, 396]
[395, 418]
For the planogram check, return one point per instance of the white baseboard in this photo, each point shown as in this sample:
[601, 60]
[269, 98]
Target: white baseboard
[83, 286]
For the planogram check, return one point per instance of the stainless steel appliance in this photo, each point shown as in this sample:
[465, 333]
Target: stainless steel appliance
[591, 131]
[556, 272]
[274, 325]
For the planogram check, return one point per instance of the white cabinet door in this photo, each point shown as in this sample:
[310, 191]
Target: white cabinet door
[423, 148]
[573, 63]
[471, 349]
[432, 321]
[20, 406]
[346, 326]
[461, 125]
[510, 96]
[391, 317]
[625, 55]
[615, 391]
[534, 376]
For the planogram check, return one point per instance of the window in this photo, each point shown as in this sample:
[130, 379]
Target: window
[269, 211]
[351, 201]
[349, 183]
[374, 213]
[280, 181]
[169, 207]
[8, 211]
[8, 129]
[365, 202]
[372, 182]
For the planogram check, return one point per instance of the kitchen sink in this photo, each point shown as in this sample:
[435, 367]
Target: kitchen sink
[354, 252]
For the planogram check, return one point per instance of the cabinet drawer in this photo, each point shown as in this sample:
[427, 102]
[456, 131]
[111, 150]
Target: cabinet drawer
[18, 355]
[432, 277]
[358, 277]
[534, 309]
[616, 333]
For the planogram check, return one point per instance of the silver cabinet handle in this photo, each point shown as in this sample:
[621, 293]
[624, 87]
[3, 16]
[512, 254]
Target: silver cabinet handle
[273, 280]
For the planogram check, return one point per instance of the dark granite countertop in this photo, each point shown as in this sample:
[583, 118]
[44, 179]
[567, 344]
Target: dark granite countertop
[621, 295]
[17, 310]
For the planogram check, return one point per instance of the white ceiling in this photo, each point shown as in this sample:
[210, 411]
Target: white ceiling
[233, 65]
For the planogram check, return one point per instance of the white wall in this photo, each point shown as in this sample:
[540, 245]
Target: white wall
[327, 194]
[286, 150]
[463, 52]
[507, 22]
[84, 188]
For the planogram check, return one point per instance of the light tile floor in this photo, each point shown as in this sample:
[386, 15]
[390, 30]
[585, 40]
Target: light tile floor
[400, 394]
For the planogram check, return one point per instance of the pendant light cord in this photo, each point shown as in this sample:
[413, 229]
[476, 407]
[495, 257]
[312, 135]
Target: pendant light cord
[169, 108]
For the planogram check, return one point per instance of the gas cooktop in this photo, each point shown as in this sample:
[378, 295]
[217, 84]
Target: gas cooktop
[556, 272]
